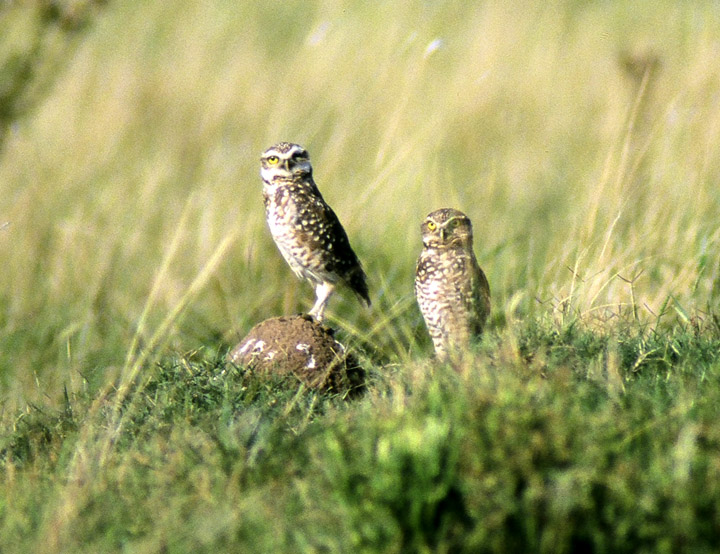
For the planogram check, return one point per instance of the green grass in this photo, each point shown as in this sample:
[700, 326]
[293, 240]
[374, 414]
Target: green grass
[581, 139]
[588, 442]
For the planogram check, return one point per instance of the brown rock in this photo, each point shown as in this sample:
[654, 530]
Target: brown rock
[300, 346]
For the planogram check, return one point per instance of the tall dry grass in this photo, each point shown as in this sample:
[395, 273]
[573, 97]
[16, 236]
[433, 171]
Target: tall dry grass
[581, 140]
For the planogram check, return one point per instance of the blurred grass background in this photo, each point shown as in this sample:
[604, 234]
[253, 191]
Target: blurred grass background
[580, 137]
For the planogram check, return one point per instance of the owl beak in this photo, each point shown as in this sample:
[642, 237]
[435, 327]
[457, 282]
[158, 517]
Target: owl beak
[443, 234]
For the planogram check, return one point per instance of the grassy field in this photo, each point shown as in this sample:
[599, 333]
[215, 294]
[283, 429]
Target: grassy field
[581, 139]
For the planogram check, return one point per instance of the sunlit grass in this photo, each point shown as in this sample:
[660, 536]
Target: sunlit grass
[580, 138]
[582, 174]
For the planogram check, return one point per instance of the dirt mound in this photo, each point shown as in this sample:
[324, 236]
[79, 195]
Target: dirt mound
[300, 346]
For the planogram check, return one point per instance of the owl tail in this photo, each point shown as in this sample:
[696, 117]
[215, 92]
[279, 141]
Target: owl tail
[358, 283]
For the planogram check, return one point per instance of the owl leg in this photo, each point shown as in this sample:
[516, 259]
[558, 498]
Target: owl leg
[323, 291]
[440, 348]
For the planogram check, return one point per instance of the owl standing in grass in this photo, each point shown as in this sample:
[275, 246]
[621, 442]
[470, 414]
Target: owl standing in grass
[451, 289]
[305, 229]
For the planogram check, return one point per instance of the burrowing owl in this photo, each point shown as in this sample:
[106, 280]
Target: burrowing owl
[305, 229]
[451, 289]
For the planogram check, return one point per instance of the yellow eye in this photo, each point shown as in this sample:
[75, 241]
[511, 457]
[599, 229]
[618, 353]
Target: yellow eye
[272, 160]
[431, 225]
[455, 223]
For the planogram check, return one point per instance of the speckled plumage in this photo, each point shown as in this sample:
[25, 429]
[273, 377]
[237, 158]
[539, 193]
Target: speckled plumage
[451, 290]
[305, 229]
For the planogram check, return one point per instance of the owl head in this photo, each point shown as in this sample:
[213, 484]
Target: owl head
[447, 228]
[285, 162]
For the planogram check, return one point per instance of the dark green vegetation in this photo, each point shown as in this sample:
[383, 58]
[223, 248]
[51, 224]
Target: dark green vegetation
[37, 39]
[606, 443]
[580, 137]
